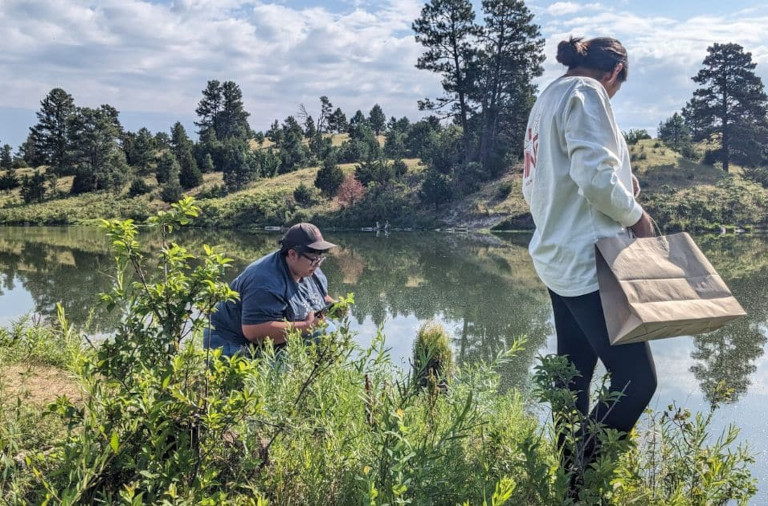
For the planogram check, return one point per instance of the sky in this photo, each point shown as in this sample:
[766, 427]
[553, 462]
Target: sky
[151, 59]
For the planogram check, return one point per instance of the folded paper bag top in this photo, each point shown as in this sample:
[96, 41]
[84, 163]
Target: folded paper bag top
[658, 287]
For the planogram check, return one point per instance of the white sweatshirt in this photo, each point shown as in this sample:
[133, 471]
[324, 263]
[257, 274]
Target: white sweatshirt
[577, 181]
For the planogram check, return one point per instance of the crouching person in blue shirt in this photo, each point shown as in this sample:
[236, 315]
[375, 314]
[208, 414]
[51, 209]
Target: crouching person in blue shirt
[279, 292]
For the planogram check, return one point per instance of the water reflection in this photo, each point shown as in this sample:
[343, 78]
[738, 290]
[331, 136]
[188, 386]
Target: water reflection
[483, 287]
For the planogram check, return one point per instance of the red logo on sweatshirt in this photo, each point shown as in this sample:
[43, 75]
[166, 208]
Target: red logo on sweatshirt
[531, 152]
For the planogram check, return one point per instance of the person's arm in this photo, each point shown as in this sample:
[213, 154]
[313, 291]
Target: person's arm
[591, 139]
[277, 330]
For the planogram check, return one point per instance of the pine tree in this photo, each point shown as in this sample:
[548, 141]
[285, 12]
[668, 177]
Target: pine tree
[6, 157]
[675, 133]
[446, 28]
[377, 119]
[329, 177]
[95, 151]
[189, 173]
[50, 135]
[509, 58]
[166, 167]
[731, 103]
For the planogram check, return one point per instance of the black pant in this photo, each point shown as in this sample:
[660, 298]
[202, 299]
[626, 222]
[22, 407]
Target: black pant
[583, 337]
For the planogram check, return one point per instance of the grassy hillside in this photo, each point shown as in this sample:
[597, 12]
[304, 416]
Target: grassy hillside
[679, 193]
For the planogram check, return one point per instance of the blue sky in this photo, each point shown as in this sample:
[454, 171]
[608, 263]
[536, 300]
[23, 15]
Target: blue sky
[151, 59]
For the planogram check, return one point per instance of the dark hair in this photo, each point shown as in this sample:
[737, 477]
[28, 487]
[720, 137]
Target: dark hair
[601, 53]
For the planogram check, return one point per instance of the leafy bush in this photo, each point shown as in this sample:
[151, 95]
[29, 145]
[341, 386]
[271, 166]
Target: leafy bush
[138, 187]
[9, 181]
[304, 195]
[329, 177]
[436, 189]
[432, 355]
[503, 190]
[635, 135]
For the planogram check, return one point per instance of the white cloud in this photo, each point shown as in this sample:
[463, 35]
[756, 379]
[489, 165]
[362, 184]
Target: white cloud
[664, 54]
[157, 56]
[566, 8]
[143, 56]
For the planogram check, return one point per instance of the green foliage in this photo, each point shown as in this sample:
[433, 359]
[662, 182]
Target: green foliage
[140, 150]
[95, 152]
[732, 201]
[486, 71]
[676, 134]
[239, 164]
[167, 167]
[674, 460]
[329, 178]
[731, 103]
[6, 158]
[304, 194]
[190, 175]
[683, 463]
[377, 119]
[432, 355]
[222, 115]
[33, 188]
[635, 135]
[138, 187]
[162, 421]
[374, 171]
[436, 189]
[171, 191]
[292, 152]
[51, 136]
[9, 181]
[503, 190]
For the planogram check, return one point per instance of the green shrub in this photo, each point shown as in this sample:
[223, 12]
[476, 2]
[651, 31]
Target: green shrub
[304, 195]
[138, 187]
[432, 355]
[503, 190]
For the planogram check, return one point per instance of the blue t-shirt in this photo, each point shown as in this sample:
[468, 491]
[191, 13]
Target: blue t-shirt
[268, 292]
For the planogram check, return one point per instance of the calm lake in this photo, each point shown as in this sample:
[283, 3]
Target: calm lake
[482, 287]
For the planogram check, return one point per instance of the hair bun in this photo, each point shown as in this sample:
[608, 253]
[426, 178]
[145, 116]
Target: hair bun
[571, 52]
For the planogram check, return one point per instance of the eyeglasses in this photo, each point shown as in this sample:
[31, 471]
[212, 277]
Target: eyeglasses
[314, 261]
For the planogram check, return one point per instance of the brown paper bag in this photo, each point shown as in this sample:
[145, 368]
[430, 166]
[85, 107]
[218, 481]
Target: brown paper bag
[659, 287]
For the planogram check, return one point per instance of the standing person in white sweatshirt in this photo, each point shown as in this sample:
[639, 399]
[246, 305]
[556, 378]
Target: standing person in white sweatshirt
[579, 185]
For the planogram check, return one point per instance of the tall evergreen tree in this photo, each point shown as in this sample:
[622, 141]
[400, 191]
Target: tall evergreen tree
[730, 102]
[233, 120]
[293, 153]
[377, 119]
[142, 152]
[50, 135]
[221, 113]
[208, 110]
[189, 173]
[167, 165]
[6, 157]
[337, 122]
[357, 121]
[326, 110]
[446, 28]
[510, 57]
[95, 151]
